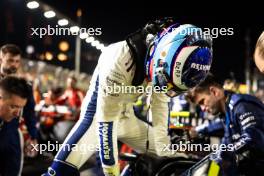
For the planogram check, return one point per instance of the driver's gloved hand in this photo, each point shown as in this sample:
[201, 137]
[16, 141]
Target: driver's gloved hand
[220, 156]
[226, 160]
[216, 157]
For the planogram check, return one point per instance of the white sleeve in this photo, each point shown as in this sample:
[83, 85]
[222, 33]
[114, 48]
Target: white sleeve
[160, 112]
[112, 75]
[160, 121]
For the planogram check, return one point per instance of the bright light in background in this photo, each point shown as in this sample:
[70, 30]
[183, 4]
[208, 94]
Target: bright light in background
[62, 57]
[74, 29]
[32, 5]
[63, 22]
[95, 43]
[64, 46]
[89, 40]
[49, 14]
[83, 35]
[30, 49]
[48, 55]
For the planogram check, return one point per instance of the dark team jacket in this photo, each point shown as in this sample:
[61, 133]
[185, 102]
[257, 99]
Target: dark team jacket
[244, 125]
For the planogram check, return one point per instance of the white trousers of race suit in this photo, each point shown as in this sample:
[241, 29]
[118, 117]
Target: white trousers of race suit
[131, 131]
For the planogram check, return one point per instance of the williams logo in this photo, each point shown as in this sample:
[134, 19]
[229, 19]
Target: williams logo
[106, 143]
[200, 67]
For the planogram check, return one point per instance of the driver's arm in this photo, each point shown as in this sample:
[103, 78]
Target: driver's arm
[160, 121]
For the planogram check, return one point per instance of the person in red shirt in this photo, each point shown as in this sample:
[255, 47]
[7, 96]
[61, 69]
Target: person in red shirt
[72, 96]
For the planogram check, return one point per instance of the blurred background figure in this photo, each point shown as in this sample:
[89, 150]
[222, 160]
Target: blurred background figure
[36, 91]
[55, 118]
[72, 97]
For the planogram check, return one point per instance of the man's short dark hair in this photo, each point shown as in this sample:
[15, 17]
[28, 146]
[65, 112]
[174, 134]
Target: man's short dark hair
[12, 49]
[204, 86]
[12, 85]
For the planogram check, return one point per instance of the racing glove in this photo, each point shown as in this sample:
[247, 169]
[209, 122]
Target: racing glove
[111, 171]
